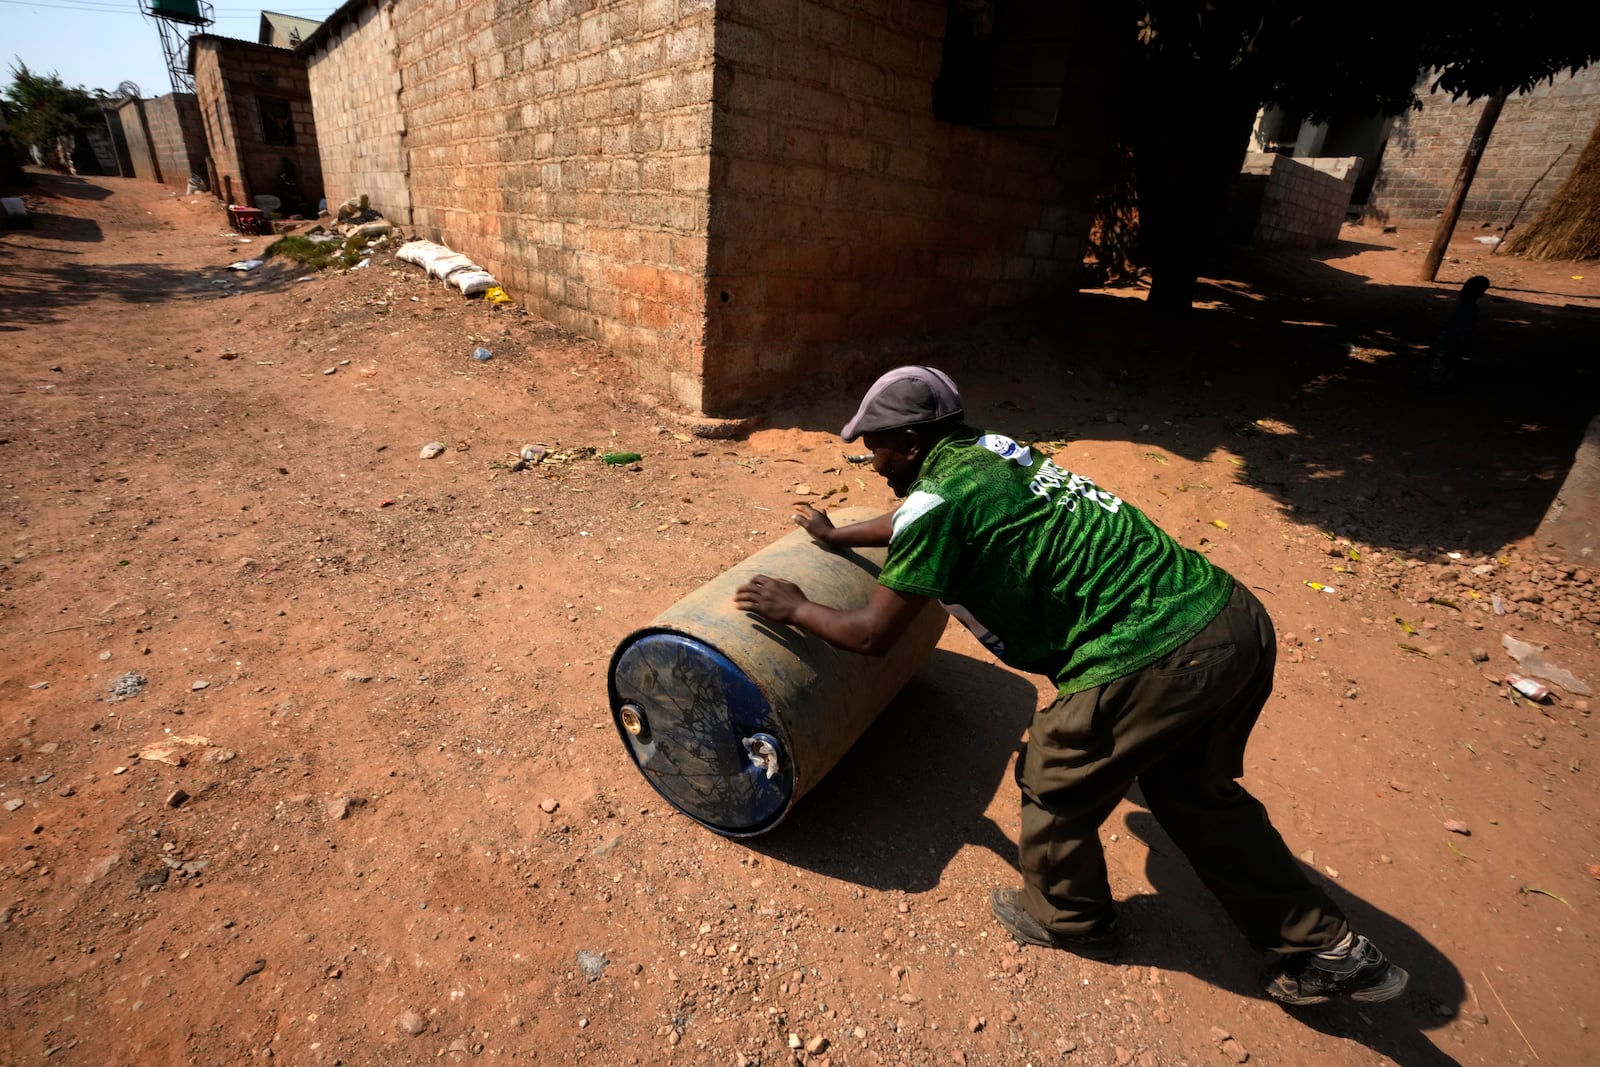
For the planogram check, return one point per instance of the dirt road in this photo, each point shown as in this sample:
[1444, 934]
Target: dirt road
[307, 748]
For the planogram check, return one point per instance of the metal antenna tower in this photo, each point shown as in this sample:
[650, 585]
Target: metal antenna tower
[177, 21]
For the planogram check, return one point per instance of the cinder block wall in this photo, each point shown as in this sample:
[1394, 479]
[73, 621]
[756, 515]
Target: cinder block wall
[178, 136]
[1303, 202]
[140, 154]
[229, 77]
[843, 209]
[356, 96]
[723, 191]
[565, 147]
[223, 166]
[1425, 149]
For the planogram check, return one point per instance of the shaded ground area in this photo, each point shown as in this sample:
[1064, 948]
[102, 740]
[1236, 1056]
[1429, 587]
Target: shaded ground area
[409, 831]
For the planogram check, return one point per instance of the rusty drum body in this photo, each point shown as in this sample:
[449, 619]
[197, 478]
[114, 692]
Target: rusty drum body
[732, 718]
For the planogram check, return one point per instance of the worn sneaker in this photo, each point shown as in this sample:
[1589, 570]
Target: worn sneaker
[1363, 975]
[1007, 906]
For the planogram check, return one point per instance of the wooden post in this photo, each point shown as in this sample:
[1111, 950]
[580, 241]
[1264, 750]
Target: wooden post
[1458, 192]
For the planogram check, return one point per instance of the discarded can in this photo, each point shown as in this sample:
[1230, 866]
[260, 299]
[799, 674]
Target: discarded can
[1528, 687]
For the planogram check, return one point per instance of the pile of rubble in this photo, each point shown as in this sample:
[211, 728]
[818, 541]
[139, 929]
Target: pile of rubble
[1546, 588]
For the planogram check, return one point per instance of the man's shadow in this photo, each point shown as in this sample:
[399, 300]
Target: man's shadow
[912, 792]
[1181, 927]
[915, 790]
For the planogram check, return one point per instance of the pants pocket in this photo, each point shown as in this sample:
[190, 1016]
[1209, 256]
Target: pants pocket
[1193, 665]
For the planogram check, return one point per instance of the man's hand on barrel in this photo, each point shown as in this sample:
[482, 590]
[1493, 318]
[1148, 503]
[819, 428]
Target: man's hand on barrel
[771, 598]
[873, 533]
[815, 522]
[871, 629]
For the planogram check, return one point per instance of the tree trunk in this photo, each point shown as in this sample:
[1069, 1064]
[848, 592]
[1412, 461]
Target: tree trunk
[1458, 192]
[1569, 225]
[1193, 131]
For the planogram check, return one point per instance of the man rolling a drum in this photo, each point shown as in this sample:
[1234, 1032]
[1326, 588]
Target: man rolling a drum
[1162, 662]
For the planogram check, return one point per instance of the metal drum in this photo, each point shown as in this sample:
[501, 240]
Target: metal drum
[732, 718]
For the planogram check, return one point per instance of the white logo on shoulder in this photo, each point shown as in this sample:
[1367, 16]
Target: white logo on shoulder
[1006, 448]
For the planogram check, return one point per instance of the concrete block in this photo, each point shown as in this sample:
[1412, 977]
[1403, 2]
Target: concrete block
[823, 24]
[1571, 525]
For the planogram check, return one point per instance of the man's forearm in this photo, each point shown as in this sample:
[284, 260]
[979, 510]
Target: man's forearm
[873, 533]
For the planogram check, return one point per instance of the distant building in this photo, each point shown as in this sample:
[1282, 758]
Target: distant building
[255, 105]
[285, 31]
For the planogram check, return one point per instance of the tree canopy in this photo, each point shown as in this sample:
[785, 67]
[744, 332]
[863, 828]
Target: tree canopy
[40, 108]
[1363, 58]
[1200, 71]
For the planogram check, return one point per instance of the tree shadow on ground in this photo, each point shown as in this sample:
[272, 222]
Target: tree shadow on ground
[912, 792]
[71, 186]
[1181, 927]
[33, 296]
[1302, 381]
[48, 225]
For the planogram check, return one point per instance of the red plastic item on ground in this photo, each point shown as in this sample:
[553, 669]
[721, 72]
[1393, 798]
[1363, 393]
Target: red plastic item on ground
[248, 220]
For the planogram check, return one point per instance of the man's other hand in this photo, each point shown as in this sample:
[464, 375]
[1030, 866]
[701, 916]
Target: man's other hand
[771, 598]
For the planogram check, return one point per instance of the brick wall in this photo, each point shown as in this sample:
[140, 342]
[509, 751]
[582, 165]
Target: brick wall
[723, 191]
[843, 209]
[565, 147]
[166, 139]
[356, 97]
[178, 136]
[231, 79]
[1425, 149]
[1294, 201]
[130, 113]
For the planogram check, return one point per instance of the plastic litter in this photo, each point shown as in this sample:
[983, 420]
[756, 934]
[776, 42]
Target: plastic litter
[431, 449]
[1531, 659]
[1487, 240]
[1528, 687]
[14, 211]
[246, 264]
[620, 458]
[592, 963]
[482, 355]
[127, 685]
[496, 295]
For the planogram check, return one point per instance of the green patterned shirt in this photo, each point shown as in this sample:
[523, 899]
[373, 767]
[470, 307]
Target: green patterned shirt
[1061, 577]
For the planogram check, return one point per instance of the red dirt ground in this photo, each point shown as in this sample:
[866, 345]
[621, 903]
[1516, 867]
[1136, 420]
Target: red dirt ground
[408, 812]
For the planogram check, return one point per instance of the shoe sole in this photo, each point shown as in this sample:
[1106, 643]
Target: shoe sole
[1393, 984]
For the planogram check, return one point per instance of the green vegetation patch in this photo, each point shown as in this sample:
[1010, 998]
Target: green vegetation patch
[319, 255]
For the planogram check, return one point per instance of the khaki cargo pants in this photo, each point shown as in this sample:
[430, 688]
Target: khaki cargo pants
[1179, 726]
